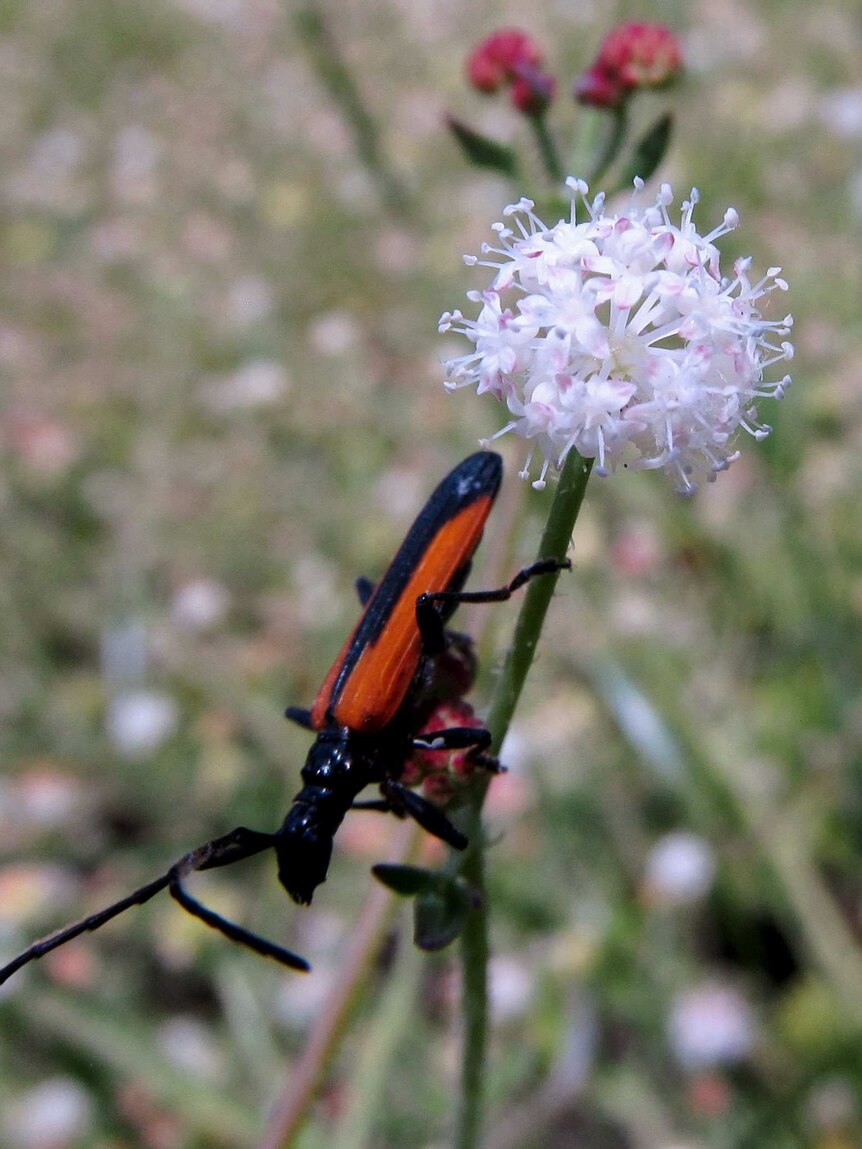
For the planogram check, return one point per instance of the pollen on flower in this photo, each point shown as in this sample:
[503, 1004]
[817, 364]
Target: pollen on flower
[617, 335]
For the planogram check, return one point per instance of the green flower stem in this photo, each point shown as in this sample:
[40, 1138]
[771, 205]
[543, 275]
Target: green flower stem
[334, 74]
[547, 148]
[555, 543]
[613, 143]
[374, 1059]
[475, 951]
[587, 135]
[474, 940]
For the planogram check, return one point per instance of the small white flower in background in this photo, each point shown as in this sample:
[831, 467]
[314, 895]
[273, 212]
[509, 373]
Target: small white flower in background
[139, 721]
[258, 383]
[709, 1025]
[832, 1105]
[335, 334]
[250, 300]
[188, 1045]
[623, 340]
[55, 1113]
[43, 796]
[123, 652]
[510, 987]
[679, 869]
[199, 605]
[841, 112]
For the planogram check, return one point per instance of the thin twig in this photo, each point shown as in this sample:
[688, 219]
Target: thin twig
[291, 1108]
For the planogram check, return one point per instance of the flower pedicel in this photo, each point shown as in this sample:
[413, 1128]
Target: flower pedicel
[623, 341]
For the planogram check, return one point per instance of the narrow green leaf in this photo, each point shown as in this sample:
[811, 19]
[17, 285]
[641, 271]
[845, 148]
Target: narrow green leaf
[649, 151]
[408, 881]
[484, 152]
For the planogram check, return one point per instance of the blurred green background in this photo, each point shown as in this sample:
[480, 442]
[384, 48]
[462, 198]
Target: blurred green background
[221, 401]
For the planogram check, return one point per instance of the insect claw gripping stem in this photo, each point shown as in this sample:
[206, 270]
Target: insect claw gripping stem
[368, 713]
[501, 594]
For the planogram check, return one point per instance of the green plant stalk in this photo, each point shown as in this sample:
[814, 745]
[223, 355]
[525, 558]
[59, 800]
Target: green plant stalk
[474, 940]
[586, 140]
[547, 148]
[555, 542]
[291, 1109]
[613, 143]
[475, 951]
[379, 1048]
[335, 75]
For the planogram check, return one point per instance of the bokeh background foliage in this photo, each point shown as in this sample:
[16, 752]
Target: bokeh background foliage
[221, 401]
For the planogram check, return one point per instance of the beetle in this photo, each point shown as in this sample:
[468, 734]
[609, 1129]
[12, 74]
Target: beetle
[367, 715]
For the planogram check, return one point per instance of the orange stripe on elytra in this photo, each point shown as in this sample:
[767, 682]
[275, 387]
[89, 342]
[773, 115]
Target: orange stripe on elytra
[379, 681]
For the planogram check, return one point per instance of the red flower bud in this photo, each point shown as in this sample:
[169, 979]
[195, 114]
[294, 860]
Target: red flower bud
[440, 771]
[484, 74]
[599, 89]
[497, 59]
[631, 56]
[532, 90]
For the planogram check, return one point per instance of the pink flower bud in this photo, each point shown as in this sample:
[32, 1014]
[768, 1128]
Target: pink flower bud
[442, 771]
[484, 74]
[532, 90]
[496, 60]
[631, 56]
[599, 89]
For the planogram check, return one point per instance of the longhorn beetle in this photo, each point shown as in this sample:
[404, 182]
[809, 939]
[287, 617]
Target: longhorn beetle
[366, 716]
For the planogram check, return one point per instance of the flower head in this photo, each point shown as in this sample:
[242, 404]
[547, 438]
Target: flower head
[618, 336]
[500, 56]
[631, 56]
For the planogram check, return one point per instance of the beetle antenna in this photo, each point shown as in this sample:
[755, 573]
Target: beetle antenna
[230, 929]
[233, 847]
[93, 922]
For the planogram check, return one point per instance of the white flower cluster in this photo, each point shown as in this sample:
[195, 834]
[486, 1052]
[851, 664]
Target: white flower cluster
[622, 340]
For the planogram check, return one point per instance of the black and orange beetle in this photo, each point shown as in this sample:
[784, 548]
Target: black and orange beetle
[367, 714]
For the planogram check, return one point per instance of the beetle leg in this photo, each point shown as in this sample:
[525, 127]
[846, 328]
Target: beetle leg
[300, 716]
[429, 817]
[240, 843]
[432, 628]
[488, 762]
[233, 847]
[364, 589]
[500, 594]
[455, 738]
[474, 738]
